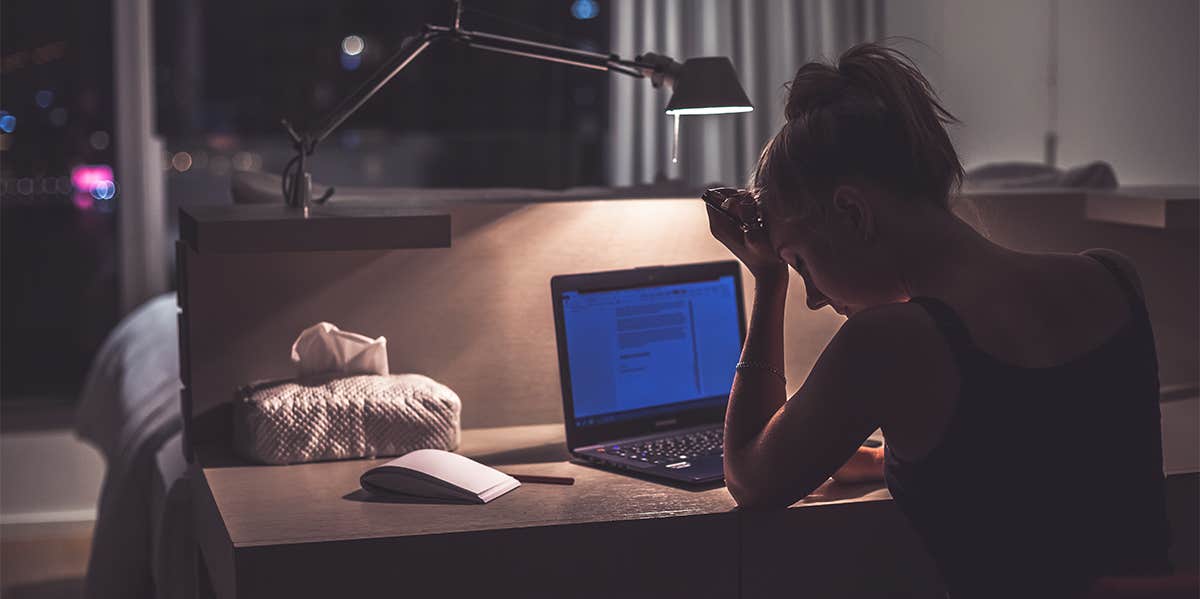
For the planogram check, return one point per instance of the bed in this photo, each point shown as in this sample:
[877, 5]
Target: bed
[129, 410]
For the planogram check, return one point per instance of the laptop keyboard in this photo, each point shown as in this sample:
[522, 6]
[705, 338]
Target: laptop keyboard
[668, 450]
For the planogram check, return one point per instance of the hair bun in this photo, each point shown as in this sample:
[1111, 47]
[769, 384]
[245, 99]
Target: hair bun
[871, 115]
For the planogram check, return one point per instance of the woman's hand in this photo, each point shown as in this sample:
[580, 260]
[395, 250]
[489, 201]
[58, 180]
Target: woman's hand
[752, 247]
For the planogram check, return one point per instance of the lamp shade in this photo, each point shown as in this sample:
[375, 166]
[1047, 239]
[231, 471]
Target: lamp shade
[708, 85]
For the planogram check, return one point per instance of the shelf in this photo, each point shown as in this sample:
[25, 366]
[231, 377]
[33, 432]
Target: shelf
[1159, 206]
[263, 228]
[1153, 206]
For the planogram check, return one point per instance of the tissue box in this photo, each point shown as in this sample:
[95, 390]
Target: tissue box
[344, 417]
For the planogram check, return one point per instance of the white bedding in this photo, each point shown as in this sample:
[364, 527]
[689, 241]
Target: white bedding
[129, 409]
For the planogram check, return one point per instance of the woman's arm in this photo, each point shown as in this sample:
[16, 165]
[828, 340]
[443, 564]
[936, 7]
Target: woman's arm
[757, 393]
[777, 451]
[744, 420]
[865, 465]
[877, 363]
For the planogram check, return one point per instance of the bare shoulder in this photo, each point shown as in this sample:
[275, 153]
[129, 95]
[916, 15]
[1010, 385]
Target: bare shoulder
[892, 326]
[901, 346]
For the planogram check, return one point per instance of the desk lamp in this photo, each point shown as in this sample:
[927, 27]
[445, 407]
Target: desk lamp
[706, 85]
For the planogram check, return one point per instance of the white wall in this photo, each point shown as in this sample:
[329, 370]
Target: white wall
[1128, 90]
[48, 476]
[1129, 86]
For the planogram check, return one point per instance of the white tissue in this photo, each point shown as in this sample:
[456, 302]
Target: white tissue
[325, 349]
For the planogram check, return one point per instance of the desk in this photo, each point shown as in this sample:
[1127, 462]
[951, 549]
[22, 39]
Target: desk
[306, 530]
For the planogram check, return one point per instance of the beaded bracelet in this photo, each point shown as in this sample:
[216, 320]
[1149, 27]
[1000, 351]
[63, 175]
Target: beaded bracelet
[775, 371]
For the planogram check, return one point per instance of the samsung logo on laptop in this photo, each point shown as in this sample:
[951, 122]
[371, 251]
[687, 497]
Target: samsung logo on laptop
[667, 422]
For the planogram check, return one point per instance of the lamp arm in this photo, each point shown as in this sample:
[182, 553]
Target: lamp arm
[297, 183]
[410, 48]
[661, 69]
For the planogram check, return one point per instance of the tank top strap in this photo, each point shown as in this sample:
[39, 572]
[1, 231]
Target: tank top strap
[1136, 303]
[947, 321]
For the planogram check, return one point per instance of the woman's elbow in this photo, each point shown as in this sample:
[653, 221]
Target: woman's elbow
[758, 488]
[755, 501]
[753, 493]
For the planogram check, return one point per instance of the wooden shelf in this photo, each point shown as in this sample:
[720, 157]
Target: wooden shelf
[264, 228]
[1157, 206]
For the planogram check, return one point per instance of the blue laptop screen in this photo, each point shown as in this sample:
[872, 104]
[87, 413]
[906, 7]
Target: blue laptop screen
[636, 352]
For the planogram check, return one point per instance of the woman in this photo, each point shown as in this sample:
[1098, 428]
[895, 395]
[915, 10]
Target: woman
[1018, 392]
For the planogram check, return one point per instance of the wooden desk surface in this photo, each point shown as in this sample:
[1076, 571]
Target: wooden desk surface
[308, 531]
[321, 502]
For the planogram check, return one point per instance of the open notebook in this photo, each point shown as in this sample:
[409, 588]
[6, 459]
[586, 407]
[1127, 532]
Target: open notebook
[437, 476]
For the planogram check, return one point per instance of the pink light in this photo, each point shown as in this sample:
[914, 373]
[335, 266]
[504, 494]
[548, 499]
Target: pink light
[86, 177]
[83, 201]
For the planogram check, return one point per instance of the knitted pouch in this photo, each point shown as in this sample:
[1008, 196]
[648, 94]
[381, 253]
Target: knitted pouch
[289, 422]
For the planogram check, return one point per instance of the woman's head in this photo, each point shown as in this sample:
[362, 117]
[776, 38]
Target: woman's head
[863, 152]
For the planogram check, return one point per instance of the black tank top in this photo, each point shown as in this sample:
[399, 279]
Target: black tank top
[1045, 478]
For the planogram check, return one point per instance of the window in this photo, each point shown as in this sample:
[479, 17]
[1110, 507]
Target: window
[57, 195]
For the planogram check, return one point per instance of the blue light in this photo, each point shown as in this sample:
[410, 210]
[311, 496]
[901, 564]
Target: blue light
[44, 98]
[351, 62]
[585, 9]
[351, 139]
[8, 122]
[104, 190]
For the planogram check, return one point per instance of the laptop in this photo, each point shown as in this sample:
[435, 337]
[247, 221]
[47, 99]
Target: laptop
[646, 358]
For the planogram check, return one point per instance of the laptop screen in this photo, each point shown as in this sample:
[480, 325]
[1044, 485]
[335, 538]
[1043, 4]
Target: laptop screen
[637, 352]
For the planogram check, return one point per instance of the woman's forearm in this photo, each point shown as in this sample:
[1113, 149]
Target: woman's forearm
[865, 465]
[757, 392]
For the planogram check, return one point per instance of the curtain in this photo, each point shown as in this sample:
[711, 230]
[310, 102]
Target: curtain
[767, 41]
